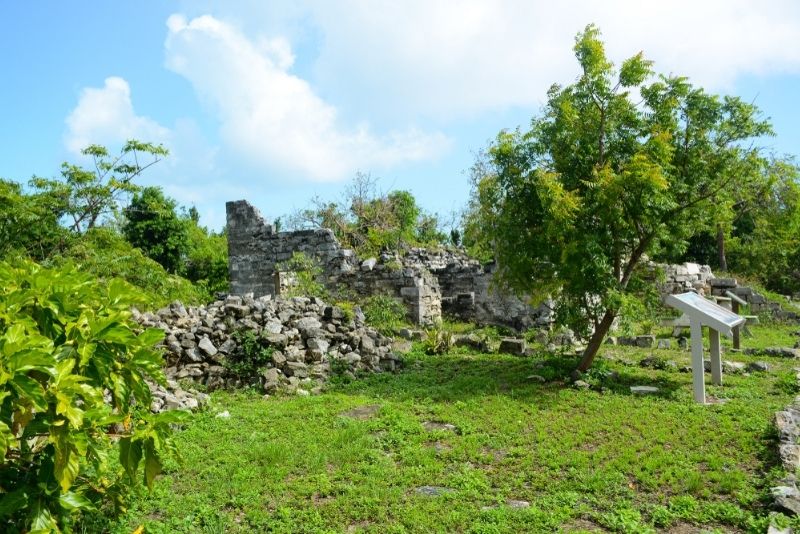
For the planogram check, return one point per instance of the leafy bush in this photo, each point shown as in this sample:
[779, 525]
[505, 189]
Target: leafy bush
[308, 276]
[438, 340]
[384, 313]
[251, 354]
[67, 343]
[104, 253]
[206, 262]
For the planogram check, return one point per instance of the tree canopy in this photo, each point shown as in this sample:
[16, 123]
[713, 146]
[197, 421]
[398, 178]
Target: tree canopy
[619, 165]
[371, 222]
[153, 225]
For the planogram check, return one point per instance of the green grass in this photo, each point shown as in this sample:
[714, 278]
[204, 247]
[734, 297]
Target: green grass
[583, 459]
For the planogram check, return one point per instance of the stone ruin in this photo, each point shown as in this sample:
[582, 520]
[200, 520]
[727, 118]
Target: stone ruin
[309, 341]
[428, 282]
[699, 278]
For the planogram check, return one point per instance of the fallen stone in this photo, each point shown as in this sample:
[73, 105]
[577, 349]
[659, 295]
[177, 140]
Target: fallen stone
[787, 498]
[318, 343]
[733, 367]
[646, 341]
[223, 415]
[537, 378]
[193, 355]
[207, 347]
[271, 379]
[509, 345]
[368, 264]
[777, 352]
[362, 413]
[432, 426]
[758, 367]
[471, 341]
[433, 491]
[644, 390]
[581, 384]
[774, 529]
[273, 327]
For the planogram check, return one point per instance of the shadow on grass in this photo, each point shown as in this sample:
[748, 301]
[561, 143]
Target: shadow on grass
[457, 377]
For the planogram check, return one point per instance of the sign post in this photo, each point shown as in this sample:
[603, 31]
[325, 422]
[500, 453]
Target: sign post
[736, 301]
[702, 312]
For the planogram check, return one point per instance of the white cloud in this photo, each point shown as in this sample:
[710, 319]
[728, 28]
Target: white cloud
[106, 116]
[272, 117]
[458, 58]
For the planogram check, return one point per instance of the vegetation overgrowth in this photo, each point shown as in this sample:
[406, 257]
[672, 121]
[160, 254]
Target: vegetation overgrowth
[355, 458]
[76, 432]
[459, 439]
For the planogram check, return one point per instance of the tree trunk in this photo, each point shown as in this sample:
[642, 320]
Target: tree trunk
[723, 262]
[596, 340]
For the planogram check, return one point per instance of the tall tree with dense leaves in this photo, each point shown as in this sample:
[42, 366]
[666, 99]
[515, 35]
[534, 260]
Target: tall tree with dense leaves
[152, 224]
[88, 195]
[619, 165]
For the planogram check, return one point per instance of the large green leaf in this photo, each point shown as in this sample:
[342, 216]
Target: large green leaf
[152, 464]
[13, 502]
[6, 439]
[151, 336]
[42, 521]
[66, 464]
[30, 390]
[72, 501]
[30, 359]
[130, 454]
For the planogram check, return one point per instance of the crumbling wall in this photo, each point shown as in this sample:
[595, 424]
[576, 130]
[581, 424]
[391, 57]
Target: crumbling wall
[255, 249]
[469, 292]
[700, 278]
[428, 282]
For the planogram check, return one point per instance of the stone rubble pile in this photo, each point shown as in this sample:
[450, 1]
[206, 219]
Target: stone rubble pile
[308, 339]
[786, 494]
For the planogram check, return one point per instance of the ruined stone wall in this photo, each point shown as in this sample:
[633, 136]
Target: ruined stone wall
[683, 277]
[428, 282]
[700, 278]
[255, 250]
[468, 291]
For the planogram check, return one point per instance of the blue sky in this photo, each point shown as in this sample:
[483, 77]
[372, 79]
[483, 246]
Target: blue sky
[279, 101]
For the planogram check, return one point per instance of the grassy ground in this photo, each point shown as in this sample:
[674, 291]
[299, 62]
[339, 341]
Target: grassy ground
[583, 459]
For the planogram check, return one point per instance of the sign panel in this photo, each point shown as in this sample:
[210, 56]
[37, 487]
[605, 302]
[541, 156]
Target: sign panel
[707, 312]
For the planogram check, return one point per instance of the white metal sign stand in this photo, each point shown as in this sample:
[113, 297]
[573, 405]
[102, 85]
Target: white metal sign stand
[702, 312]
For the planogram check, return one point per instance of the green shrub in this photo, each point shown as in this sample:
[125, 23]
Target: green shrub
[348, 309]
[384, 313]
[66, 341]
[308, 276]
[105, 254]
[438, 340]
[251, 355]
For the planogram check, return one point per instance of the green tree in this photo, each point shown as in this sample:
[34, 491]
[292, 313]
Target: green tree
[370, 222]
[768, 244]
[29, 223]
[87, 195]
[600, 181]
[153, 225]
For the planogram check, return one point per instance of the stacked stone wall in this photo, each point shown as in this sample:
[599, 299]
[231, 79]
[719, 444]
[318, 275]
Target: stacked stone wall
[256, 251]
[429, 282]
